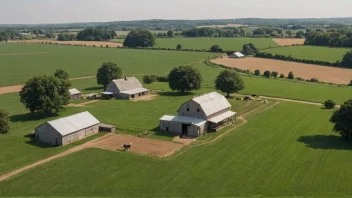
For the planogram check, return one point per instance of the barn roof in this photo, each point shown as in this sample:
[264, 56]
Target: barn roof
[127, 83]
[73, 123]
[184, 119]
[238, 54]
[222, 117]
[212, 102]
[74, 91]
[134, 91]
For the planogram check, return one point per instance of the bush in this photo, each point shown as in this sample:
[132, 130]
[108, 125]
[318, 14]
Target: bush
[216, 48]
[350, 83]
[149, 79]
[282, 76]
[290, 76]
[179, 47]
[267, 74]
[162, 79]
[329, 104]
[4, 122]
[314, 80]
[257, 72]
[274, 74]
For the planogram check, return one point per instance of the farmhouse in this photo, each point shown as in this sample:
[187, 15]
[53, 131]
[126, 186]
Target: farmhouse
[68, 129]
[75, 94]
[126, 88]
[236, 55]
[206, 113]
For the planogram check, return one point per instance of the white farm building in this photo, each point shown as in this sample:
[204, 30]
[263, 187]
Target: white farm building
[126, 88]
[199, 115]
[68, 129]
[236, 55]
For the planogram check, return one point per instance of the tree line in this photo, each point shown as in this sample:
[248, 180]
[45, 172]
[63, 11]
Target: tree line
[332, 38]
[214, 32]
[89, 34]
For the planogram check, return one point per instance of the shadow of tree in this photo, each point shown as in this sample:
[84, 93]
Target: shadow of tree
[175, 94]
[326, 142]
[30, 117]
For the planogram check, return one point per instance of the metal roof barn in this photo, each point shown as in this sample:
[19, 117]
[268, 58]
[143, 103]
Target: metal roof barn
[212, 103]
[127, 88]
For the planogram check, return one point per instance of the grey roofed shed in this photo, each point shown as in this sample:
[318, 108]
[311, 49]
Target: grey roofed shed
[74, 91]
[126, 88]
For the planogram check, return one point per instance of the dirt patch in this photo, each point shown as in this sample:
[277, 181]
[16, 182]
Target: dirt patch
[87, 43]
[145, 98]
[139, 145]
[24, 53]
[17, 88]
[185, 141]
[289, 41]
[305, 71]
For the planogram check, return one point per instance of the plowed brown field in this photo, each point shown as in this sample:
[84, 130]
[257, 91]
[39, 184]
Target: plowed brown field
[88, 43]
[305, 71]
[288, 41]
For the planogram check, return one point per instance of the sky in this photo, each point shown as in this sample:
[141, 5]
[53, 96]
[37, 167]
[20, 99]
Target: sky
[69, 11]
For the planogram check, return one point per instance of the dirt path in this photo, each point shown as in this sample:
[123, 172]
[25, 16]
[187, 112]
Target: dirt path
[17, 88]
[72, 150]
[83, 104]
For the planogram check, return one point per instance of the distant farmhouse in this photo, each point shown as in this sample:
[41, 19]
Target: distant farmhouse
[126, 88]
[68, 129]
[75, 94]
[202, 114]
[236, 55]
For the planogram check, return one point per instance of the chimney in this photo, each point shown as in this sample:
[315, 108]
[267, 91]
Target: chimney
[126, 78]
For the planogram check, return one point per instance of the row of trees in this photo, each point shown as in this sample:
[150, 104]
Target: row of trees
[333, 38]
[275, 74]
[89, 34]
[214, 32]
[66, 37]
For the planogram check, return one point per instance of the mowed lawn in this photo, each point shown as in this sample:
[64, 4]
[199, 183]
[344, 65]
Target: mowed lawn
[288, 150]
[84, 61]
[235, 44]
[328, 54]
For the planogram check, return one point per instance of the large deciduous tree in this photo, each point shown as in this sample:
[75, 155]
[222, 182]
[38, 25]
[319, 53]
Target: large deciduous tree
[4, 122]
[139, 38]
[342, 119]
[45, 93]
[108, 72]
[229, 82]
[184, 78]
[170, 33]
[347, 59]
[249, 49]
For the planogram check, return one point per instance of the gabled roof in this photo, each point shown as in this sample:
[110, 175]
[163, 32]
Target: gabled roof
[73, 123]
[134, 91]
[212, 102]
[74, 91]
[127, 83]
[238, 54]
[184, 120]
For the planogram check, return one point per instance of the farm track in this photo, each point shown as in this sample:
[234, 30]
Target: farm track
[17, 88]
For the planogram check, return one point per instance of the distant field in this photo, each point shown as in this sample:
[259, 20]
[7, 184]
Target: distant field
[206, 43]
[286, 151]
[311, 52]
[288, 41]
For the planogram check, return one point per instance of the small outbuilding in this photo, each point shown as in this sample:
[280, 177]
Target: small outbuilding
[75, 94]
[206, 113]
[68, 129]
[236, 55]
[126, 88]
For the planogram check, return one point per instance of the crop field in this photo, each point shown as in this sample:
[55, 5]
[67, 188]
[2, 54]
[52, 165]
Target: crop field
[234, 44]
[279, 152]
[328, 54]
[305, 71]
[289, 41]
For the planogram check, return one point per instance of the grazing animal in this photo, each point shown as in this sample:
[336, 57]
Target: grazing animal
[126, 146]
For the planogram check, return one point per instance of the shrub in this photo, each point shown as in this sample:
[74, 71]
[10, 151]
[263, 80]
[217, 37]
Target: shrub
[329, 104]
[290, 76]
[162, 79]
[179, 47]
[149, 79]
[106, 46]
[4, 122]
[267, 74]
[274, 74]
[314, 80]
[257, 72]
[300, 79]
[282, 76]
[216, 48]
[350, 83]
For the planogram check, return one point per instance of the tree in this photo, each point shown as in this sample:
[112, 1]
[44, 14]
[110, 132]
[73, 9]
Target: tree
[347, 59]
[149, 79]
[342, 119]
[170, 33]
[290, 75]
[300, 34]
[350, 83]
[61, 74]
[329, 104]
[216, 48]
[229, 82]
[179, 47]
[282, 76]
[267, 74]
[257, 72]
[45, 93]
[66, 37]
[184, 78]
[4, 122]
[274, 74]
[249, 49]
[108, 72]
[139, 38]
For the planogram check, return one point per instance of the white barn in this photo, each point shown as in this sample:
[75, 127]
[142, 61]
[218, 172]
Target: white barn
[236, 55]
[206, 113]
[68, 129]
[126, 88]
[75, 94]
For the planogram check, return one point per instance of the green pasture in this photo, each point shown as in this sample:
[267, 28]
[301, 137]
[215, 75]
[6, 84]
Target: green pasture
[285, 151]
[328, 54]
[235, 44]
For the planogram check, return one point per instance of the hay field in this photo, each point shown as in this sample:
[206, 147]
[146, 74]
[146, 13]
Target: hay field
[305, 71]
[288, 41]
[87, 43]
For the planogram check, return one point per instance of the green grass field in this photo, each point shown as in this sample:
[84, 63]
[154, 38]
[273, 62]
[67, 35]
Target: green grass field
[328, 54]
[206, 43]
[280, 152]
